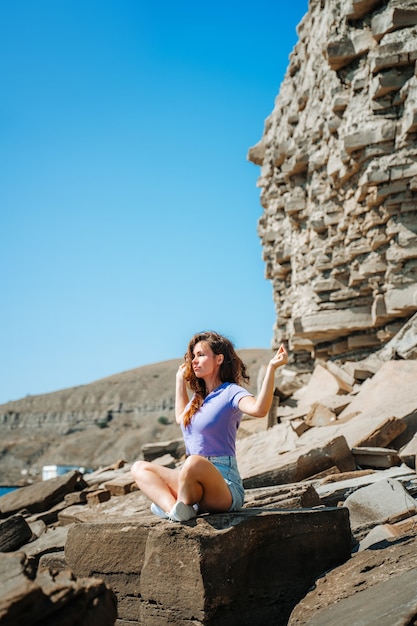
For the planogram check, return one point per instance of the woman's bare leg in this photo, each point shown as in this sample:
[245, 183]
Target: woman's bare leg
[200, 482]
[159, 484]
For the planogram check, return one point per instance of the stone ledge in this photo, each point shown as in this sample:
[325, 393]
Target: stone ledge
[230, 569]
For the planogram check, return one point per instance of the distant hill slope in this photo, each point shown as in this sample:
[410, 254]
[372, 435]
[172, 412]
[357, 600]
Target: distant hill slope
[92, 425]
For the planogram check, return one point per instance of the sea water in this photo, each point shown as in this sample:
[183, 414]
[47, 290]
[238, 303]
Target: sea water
[4, 490]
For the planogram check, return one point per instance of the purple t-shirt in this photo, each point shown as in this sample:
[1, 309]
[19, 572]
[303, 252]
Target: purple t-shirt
[212, 431]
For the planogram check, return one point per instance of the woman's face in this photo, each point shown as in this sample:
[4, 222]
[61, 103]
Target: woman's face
[204, 362]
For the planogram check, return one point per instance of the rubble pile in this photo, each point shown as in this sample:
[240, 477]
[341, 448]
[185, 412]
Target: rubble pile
[331, 492]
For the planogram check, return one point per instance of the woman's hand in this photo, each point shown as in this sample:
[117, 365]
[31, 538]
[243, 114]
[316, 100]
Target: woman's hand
[181, 372]
[281, 357]
[259, 407]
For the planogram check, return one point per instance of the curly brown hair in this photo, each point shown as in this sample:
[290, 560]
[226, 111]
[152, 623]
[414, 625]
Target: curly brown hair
[232, 369]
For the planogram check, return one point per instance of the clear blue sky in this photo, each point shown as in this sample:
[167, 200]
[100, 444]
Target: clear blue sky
[128, 209]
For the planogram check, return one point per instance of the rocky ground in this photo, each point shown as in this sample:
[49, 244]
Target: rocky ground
[328, 533]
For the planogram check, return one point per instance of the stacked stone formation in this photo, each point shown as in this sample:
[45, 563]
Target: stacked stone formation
[339, 178]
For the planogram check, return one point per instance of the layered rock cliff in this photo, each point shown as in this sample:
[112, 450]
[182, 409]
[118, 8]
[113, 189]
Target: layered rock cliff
[339, 180]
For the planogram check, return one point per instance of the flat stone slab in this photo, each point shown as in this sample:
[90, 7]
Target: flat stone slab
[217, 570]
[376, 457]
[391, 603]
[131, 506]
[279, 469]
[331, 493]
[292, 496]
[53, 540]
[363, 583]
[321, 384]
[391, 392]
[383, 501]
[40, 496]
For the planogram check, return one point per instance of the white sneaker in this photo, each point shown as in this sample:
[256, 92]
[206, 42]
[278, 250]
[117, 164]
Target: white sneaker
[181, 512]
[156, 510]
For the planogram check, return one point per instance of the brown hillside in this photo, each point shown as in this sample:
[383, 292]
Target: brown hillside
[91, 425]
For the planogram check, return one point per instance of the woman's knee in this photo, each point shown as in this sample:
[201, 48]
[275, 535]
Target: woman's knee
[193, 464]
[138, 468]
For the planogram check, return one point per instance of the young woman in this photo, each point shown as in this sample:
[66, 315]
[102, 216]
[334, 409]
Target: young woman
[209, 479]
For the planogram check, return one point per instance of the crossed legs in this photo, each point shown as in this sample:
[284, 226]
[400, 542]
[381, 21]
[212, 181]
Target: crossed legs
[198, 481]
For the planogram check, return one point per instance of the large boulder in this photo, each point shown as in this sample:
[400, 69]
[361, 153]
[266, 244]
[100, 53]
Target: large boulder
[230, 569]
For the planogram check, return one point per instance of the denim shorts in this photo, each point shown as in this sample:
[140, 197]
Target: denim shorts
[227, 467]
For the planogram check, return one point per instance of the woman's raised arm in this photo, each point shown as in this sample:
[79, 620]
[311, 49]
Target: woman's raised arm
[260, 405]
[181, 395]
